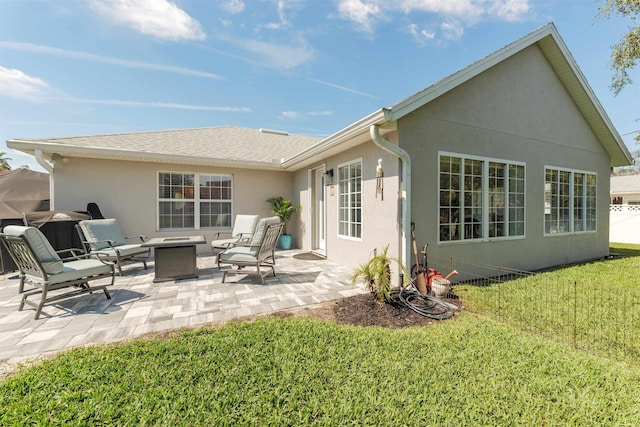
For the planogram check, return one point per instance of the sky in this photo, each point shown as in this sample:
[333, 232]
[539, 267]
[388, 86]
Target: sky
[310, 67]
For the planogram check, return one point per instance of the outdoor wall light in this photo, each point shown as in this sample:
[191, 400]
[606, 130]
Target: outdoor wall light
[328, 177]
[380, 180]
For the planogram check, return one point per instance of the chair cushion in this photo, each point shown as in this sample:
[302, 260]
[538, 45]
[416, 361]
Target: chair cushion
[240, 254]
[261, 228]
[42, 249]
[74, 270]
[96, 231]
[125, 250]
[244, 225]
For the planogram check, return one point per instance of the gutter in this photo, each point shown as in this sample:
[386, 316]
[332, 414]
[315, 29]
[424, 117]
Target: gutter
[42, 162]
[49, 168]
[405, 198]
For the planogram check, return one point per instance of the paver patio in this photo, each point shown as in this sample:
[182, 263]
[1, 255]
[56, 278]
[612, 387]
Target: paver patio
[138, 306]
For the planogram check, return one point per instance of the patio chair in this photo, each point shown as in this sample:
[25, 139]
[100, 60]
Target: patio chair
[103, 237]
[94, 211]
[41, 266]
[243, 228]
[259, 253]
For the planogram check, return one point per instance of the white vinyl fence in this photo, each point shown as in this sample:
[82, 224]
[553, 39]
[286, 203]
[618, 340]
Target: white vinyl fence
[624, 224]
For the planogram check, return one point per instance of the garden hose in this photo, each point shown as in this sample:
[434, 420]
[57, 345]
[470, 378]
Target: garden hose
[425, 305]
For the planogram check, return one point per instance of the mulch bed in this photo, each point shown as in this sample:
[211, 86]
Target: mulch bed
[363, 310]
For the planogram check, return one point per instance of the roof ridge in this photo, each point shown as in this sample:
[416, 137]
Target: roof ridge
[145, 132]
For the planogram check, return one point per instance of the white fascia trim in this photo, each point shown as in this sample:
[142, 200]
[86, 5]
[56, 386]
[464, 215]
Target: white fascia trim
[360, 127]
[421, 98]
[410, 104]
[586, 87]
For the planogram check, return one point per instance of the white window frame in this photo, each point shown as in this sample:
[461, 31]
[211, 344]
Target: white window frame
[485, 199]
[350, 195]
[195, 200]
[573, 228]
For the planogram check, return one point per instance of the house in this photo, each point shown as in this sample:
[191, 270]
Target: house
[504, 162]
[625, 190]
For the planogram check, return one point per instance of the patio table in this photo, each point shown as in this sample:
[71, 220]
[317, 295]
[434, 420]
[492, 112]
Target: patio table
[174, 257]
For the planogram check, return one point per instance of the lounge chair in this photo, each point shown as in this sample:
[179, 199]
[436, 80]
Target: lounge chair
[104, 238]
[259, 253]
[41, 266]
[243, 228]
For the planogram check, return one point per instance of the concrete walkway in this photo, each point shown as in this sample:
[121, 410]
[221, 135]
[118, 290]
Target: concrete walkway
[138, 306]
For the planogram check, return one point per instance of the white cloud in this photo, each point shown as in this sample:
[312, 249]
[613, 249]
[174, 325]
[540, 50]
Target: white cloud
[28, 47]
[293, 115]
[460, 8]
[290, 115]
[320, 113]
[421, 35]
[452, 29]
[511, 10]
[157, 18]
[280, 56]
[365, 13]
[171, 105]
[360, 12]
[282, 18]
[233, 6]
[16, 84]
[342, 88]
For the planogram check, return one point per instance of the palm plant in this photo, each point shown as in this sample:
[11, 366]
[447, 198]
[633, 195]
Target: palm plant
[4, 162]
[283, 209]
[376, 274]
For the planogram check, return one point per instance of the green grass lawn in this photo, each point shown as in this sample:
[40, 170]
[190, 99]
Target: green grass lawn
[472, 370]
[594, 306]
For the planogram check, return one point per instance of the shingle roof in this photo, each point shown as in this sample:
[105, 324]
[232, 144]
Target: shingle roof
[625, 184]
[223, 143]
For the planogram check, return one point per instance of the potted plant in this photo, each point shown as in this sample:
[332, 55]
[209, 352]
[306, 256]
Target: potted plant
[283, 209]
[376, 274]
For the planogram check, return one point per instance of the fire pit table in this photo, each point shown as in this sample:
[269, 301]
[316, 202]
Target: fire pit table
[174, 257]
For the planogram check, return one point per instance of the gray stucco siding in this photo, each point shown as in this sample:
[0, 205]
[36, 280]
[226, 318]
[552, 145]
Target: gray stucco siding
[380, 217]
[516, 111]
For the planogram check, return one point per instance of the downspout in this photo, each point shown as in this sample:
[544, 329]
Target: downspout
[49, 168]
[405, 198]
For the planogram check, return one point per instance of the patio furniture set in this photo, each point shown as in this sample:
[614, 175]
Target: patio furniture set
[251, 244]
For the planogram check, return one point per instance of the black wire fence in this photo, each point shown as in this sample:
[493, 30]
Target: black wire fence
[601, 318]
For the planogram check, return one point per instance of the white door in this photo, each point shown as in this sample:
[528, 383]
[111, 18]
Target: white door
[318, 217]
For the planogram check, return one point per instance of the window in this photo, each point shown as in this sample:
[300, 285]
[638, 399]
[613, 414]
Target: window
[516, 200]
[480, 198]
[215, 201]
[184, 205]
[350, 199]
[569, 201]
